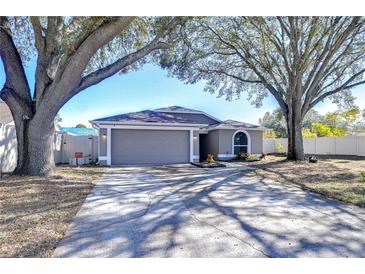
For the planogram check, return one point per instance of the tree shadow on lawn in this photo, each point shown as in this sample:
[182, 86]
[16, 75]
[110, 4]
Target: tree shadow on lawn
[297, 172]
[34, 211]
[191, 212]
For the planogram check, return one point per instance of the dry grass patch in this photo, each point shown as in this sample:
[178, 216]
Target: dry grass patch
[35, 212]
[336, 178]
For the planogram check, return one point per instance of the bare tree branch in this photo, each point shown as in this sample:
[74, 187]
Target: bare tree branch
[16, 81]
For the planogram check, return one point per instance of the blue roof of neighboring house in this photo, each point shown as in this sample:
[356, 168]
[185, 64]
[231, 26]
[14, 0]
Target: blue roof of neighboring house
[79, 131]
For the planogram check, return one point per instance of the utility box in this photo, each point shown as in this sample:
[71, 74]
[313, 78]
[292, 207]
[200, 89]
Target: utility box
[78, 155]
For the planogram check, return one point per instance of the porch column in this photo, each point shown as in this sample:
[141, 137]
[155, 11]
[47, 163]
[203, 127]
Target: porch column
[191, 145]
[109, 146]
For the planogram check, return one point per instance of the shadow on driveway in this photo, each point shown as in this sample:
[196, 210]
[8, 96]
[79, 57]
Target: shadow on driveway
[183, 211]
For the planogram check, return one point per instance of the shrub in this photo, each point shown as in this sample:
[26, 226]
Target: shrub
[242, 156]
[362, 174]
[210, 158]
[253, 158]
[279, 148]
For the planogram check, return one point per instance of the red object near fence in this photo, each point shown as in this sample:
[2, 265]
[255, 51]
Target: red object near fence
[78, 155]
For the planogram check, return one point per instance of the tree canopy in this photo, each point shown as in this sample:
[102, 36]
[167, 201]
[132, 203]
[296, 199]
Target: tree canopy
[300, 61]
[72, 53]
[337, 123]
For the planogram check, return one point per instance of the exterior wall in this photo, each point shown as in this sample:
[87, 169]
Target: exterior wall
[220, 142]
[86, 144]
[213, 143]
[146, 146]
[257, 141]
[103, 141]
[58, 148]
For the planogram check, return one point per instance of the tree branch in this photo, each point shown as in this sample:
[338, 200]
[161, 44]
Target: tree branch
[346, 85]
[70, 76]
[16, 80]
[103, 73]
[230, 75]
[38, 36]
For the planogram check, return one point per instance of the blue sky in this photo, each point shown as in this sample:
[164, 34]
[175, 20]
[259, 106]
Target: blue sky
[150, 88]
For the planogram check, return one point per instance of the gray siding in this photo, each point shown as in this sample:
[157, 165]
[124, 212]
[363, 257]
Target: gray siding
[220, 141]
[103, 141]
[257, 141]
[136, 146]
[213, 143]
[225, 141]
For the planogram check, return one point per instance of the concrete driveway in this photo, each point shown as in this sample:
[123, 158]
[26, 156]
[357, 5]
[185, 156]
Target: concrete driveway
[183, 211]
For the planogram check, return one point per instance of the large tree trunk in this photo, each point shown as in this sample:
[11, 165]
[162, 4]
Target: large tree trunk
[295, 139]
[35, 146]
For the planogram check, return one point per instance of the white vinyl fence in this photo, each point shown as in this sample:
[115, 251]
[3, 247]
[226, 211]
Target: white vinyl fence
[65, 146]
[8, 151]
[348, 145]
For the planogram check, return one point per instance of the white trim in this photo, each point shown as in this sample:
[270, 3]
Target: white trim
[232, 155]
[225, 155]
[248, 140]
[191, 145]
[99, 137]
[93, 125]
[109, 146]
[146, 127]
[107, 123]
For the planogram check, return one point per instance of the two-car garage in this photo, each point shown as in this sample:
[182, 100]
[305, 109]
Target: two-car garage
[149, 146]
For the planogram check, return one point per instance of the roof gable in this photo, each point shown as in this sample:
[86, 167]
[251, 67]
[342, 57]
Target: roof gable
[233, 124]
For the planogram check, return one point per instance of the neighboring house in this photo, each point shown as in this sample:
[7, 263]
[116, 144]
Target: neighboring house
[78, 131]
[5, 114]
[173, 135]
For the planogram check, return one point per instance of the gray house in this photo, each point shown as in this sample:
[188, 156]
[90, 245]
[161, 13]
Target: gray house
[173, 135]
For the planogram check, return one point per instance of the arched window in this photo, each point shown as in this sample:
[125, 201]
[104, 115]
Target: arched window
[240, 142]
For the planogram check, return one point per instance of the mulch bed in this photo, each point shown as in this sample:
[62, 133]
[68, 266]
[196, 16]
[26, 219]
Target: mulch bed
[209, 165]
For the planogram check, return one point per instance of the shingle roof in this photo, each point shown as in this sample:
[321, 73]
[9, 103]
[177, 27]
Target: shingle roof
[178, 115]
[235, 124]
[177, 109]
[159, 116]
[5, 114]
